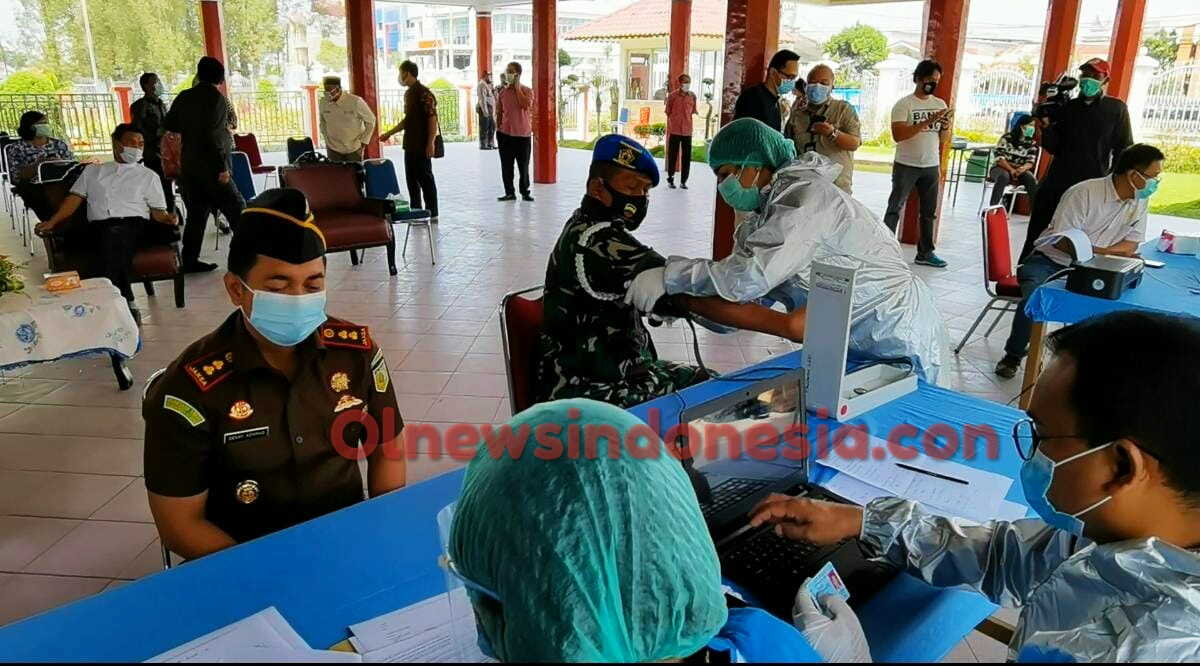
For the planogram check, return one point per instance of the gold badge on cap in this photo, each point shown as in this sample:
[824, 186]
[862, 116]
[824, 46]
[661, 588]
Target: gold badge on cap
[240, 410]
[346, 402]
[246, 491]
[626, 156]
[339, 381]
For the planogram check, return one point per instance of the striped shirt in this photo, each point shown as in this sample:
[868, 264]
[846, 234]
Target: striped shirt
[1016, 154]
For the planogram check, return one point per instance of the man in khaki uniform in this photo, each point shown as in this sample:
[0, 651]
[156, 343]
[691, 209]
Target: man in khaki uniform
[825, 125]
[346, 122]
[240, 437]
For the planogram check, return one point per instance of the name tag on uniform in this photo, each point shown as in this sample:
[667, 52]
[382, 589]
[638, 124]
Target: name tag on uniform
[243, 435]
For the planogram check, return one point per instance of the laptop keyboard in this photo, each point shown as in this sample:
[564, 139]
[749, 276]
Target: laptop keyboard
[730, 492]
[769, 558]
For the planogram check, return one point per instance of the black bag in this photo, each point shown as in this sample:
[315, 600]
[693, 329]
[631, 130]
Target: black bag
[439, 148]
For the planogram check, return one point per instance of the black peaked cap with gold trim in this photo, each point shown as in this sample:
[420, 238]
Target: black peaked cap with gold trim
[279, 224]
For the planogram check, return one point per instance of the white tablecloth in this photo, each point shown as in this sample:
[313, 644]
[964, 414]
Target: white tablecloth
[39, 326]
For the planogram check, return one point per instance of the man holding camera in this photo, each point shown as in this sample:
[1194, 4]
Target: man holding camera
[827, 126]
[1085, 135]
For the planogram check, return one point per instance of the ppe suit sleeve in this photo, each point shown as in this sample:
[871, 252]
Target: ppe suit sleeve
[779, 249]
[1000, 560]
[607, 258]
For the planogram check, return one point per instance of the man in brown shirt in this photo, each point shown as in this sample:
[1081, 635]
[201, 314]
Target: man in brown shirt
[240, 437]
[824, 125]
[420, 127]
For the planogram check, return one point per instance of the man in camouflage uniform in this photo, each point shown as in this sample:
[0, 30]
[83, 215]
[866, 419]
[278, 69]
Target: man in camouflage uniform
[594, 345]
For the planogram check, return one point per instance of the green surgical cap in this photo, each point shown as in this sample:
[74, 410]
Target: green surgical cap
[593, 560]
[750, 142]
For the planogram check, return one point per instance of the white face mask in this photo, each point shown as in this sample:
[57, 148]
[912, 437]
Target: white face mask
[685, 87]
[131, 155]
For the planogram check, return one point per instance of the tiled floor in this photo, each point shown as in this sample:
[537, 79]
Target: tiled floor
[73, 514]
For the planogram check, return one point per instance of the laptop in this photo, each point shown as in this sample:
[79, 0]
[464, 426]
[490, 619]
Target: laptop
[770, 568]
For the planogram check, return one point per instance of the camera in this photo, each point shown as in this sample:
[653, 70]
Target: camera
[1054, 95]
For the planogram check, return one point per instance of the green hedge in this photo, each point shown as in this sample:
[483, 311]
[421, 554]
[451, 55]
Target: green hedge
[1182, 157]
[699, 153]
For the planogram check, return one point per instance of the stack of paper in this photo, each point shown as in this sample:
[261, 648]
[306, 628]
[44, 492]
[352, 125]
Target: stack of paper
[433, 630]
[264, 637]
[944, 487]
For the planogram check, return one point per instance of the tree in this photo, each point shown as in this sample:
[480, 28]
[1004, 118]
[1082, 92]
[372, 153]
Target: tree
[564, 58]
[1163, 46]
[253, 35]
[858, 48]
[332, 56]
[31, 82]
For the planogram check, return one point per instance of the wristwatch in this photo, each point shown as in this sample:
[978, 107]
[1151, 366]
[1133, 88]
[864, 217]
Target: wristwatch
[833, 135]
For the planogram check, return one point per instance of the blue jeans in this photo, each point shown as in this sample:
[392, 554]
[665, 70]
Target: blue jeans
[1031, 275]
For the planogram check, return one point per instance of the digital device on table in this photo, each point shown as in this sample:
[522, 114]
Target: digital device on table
[1151, 263]
[769, 568]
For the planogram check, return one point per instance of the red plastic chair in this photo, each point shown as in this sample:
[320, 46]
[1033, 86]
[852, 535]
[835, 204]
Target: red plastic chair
[248, 143]
[999, 280]
[520, 334]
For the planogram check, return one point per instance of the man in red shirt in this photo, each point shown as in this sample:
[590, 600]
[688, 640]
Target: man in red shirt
[514, 131]
[681, 106]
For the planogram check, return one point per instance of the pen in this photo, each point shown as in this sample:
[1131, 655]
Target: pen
[918, 470]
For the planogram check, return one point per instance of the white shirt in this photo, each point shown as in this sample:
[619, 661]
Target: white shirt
[347, 123]
[924, 149]
[486, 94]
[1095, 208]
[115, 190]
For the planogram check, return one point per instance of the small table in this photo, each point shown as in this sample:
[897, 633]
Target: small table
[1168, 290]
[954, 169]
[39, 326]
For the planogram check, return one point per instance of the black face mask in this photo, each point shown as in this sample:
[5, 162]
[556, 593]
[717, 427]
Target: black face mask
[628, 208]
[928, 87]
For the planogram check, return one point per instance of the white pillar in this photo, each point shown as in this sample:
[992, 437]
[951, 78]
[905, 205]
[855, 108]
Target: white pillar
[891, 73]
[1139, 89]
[583, 109]
[964, 104]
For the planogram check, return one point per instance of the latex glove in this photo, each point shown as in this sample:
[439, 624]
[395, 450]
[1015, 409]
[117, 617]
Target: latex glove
[837, 639]
[645, 290]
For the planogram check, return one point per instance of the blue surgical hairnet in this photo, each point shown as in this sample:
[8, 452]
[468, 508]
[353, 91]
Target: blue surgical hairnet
[607, 559]
[750, 142]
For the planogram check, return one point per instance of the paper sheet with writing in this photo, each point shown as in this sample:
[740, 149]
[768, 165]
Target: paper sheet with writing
[978, 498]
[289, 656]
[422, 632]
[265, 629]
[861, 493]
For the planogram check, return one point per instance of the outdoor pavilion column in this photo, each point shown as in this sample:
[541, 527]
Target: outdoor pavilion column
[945, 34]
[751, 38]
[1125, 44]
[212, 24]
[483, 41]
[1062, 20]
[545, 91]
[360, 42]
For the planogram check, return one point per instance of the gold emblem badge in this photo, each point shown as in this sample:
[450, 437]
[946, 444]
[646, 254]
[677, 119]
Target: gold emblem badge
[240, 410]
[328, 333]
[246, 491]
[346, 402]
[626, 156]
[339, 382]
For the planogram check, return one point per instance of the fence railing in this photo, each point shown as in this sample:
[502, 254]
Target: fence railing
[391, 111]
[85, 121]
[1173, 103]
[272, 117]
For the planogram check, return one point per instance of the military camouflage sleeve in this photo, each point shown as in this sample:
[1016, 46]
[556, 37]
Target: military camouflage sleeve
[608, 257]
[177, 442]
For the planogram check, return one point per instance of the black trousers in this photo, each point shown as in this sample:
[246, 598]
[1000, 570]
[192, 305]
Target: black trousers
[925, 180]
[1041, 214]
[514, 149]
[422, 190]
[168, 185]
[203, 197]
[1001, 178]
[118, 240]
[674, 144]
[35, 199]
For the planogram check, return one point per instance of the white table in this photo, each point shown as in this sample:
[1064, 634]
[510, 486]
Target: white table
[39, 326]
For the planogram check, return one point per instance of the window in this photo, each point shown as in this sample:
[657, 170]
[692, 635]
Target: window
[522, 25]
[500, 23]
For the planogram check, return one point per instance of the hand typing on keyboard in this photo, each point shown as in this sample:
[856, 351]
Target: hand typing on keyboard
[815, 521]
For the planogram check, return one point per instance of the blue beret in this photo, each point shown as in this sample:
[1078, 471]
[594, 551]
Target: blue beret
[627, 154]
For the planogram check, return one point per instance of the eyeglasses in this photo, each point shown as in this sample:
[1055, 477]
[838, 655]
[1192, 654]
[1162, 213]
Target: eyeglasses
[1028, 439]
[449, 567]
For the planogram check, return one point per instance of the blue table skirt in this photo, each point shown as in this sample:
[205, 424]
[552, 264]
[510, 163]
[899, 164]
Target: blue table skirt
[1165, 289]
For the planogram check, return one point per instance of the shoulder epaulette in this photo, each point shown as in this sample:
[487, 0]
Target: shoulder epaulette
[345, 335]
[208, 371]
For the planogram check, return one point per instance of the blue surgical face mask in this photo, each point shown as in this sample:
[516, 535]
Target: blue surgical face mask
[160, 89]
[1037, 474]
[817, 93]
[786, 86]
[739, 197]
[283, 319]
[1089, 87]
[43, 130]
[1146, 191]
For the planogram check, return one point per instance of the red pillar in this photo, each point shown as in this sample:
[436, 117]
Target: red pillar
[751, 38]
[123, 95]
[212, 24]
[681, 39]
[360, 42]
[545, 91]
[483, 41]
[1058, 43]
[944, 37]
[1126, 40]
[314, 127]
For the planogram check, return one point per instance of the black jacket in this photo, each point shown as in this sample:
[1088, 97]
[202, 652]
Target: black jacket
[201, 116]
[1086, 140]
